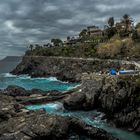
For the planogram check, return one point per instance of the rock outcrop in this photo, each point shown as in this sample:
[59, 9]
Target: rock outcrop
[118, 97]
[65, 69]
[8, 107]
[84, 99]
[17, 123]
[36, 96]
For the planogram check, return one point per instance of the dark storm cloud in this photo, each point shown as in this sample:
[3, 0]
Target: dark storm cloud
[24, 21]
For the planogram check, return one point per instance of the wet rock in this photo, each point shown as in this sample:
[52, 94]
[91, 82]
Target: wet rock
[35, 96]
[88, 130]
[15, 91]
[66, 69]
[35, 125]
[75, 101]
[39, 125]
[8, 107]
[84, 99]
[18, 124]
[119, 99]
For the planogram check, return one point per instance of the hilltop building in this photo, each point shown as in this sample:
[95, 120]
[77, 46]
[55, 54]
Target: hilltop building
[71, 40]
[94, 31]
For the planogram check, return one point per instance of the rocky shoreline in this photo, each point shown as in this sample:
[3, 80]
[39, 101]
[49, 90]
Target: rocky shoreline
[118, 97]
[17, 123]
[67, 69]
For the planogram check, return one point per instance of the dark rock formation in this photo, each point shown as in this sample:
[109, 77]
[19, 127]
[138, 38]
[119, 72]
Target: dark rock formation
[35, 96]
[16, 123]
[16, 91]
[118, 97]
[8, 107]
[65, 69]
[84, 99]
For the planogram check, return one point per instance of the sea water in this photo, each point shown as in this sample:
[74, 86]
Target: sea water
[89, 117]
[25, 81]
[56, 108]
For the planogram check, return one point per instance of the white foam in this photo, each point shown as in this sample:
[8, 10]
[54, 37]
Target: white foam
[24, 76]
[52, 106]
[52, 79]
[8, 75]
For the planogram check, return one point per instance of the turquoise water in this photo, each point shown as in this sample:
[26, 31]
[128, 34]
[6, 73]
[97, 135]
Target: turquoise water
[28, 83]
[90, 117]
[46, 84]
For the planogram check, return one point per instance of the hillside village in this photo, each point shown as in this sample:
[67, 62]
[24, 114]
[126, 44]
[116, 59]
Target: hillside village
[117, 40]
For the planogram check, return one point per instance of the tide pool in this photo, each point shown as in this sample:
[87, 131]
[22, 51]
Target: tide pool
[89, 117]
[29, 83]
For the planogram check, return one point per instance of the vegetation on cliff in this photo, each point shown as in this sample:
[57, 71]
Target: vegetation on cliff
[116, 40]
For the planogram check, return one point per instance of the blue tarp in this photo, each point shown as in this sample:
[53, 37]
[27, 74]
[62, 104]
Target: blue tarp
[113, 72]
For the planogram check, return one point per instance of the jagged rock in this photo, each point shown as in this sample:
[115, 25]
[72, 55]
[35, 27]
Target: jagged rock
[75, 101]
[39, 125]
[65, 69]
[119, 98]
[34, 96]
[15, 91]
[18, 124]
[84, 99]
[8, 107]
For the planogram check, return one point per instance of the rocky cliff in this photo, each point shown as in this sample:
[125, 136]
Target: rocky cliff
[66, 69]
[17, 123]
[118, 97]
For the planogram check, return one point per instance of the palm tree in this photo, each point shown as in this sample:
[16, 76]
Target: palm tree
[31, 47]
[111, 22]
[57, 42]
[68, 38]
[110, 30]
[127, 22]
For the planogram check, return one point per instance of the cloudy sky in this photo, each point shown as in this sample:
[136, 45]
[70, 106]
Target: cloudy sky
[24, 21]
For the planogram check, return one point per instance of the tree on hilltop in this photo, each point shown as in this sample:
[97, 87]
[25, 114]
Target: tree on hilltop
[31, 47]
[127, 21]
[56, 42]
[83, 34]
[110, 30]
[111, 21]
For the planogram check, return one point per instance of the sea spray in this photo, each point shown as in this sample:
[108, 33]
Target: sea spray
[89, 117]
[25, 81]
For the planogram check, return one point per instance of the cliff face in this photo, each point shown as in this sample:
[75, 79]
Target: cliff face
[66, 69]
[17, 123]
[117, 97]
